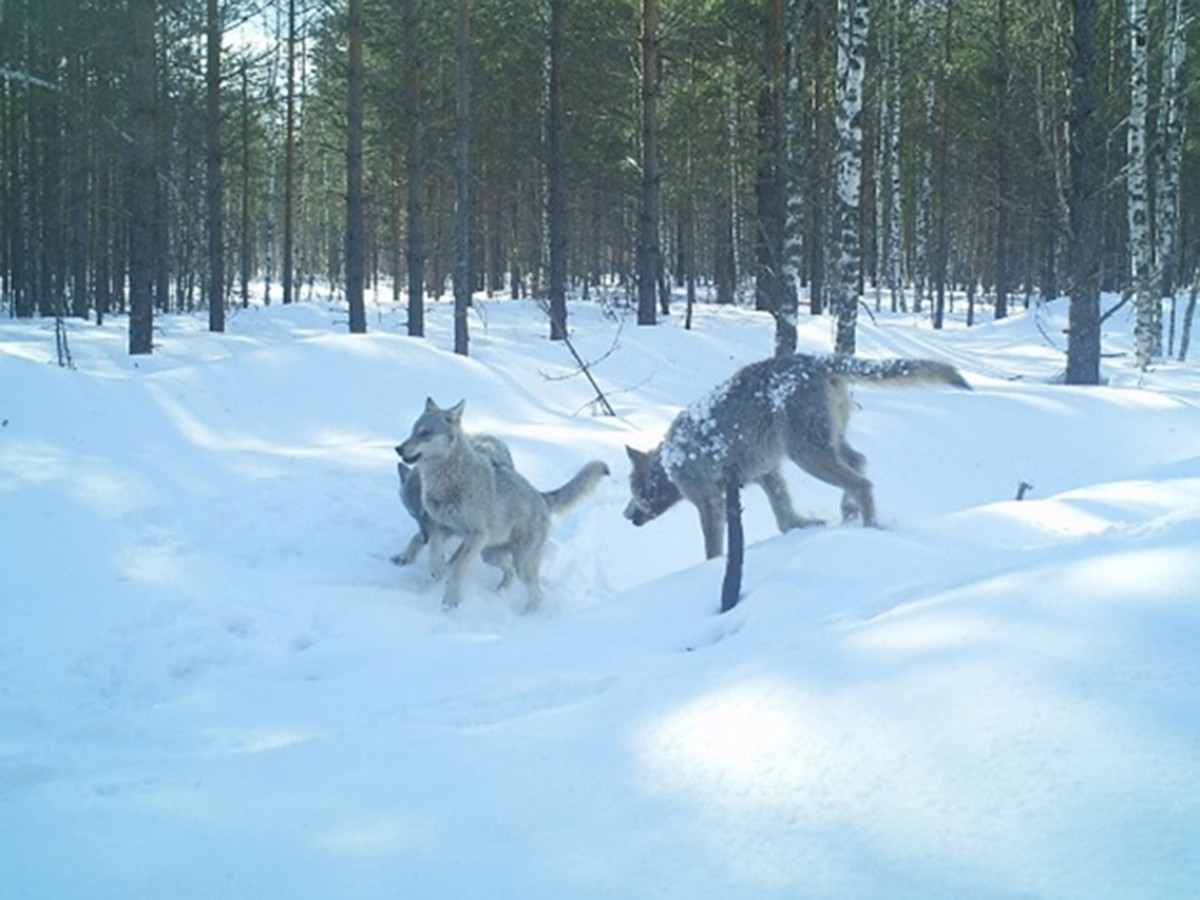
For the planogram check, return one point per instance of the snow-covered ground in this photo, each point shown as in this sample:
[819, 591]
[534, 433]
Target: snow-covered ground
[214, 683]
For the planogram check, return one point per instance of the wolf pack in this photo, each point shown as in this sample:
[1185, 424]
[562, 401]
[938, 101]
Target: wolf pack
[464, 486]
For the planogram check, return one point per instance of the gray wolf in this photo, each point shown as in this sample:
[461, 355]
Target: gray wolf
[493, 508]
[795, 407]
[410, 496]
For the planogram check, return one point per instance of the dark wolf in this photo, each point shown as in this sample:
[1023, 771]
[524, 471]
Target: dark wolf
[493, 508]
[795, 407]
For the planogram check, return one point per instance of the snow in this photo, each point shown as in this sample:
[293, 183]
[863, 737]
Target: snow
[213, 682]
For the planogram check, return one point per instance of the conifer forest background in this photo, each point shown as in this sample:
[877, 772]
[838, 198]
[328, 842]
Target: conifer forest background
[805, 156]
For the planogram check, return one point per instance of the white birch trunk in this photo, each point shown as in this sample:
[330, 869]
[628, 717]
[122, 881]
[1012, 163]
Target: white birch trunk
[928, 13]
[893, 264]
[1147, 327]
[794, 141]
[1170, 130]
[854, 18]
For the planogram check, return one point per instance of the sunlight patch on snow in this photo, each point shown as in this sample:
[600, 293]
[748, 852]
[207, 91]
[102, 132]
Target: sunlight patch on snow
[1135, 575]
[255, 741]
[25, 462]
[90, 481]
[731, 737]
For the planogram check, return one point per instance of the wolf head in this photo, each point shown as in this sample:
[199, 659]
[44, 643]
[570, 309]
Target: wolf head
[652, 491]
[435, 432]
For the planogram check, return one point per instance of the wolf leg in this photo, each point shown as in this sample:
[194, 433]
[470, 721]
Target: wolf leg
[776, 490]
[527, 551]
[466, 552]
[502, 558]
[858, 489]
[712, 523]
[851, 509]
[410, 552]
[437, 553]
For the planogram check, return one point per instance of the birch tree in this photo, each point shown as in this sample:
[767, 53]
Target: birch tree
[852, 29]
[1171, 134]
[1147, 327]
[892, 238]
[287, 264]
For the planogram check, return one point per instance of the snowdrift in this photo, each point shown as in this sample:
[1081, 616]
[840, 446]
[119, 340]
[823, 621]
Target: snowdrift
[213, 682]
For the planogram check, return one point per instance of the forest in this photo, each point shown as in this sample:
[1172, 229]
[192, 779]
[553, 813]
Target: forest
[808, 157]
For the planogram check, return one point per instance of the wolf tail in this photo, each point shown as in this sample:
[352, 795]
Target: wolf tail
[911, 371]
[563, 498]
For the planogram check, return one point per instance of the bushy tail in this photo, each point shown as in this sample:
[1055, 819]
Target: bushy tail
[563, 498]
[911, 371]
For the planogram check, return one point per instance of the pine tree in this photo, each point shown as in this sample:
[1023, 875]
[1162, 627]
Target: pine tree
[648, 252]
[355, 225]
[1085, 145]
[143, 176]
[462, 178]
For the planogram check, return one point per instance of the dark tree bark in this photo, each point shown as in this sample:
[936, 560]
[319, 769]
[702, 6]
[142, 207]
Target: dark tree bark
[214, 176]
[942, 262]
[556, 187]
[355, 225]
[462, 180]
[1086, 144]
[245, 255]
[1003, 161]
[413, 170]
[648, 251]
[142, 177]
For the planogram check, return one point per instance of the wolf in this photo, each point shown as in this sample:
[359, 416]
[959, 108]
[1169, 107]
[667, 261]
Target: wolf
[410, 495]
[493, 508]
[795, 407]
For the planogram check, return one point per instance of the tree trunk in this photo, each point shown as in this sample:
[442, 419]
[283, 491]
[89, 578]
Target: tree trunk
[1003, 161]
[647, 245]
[413, 170]
[1147, 325]
[556, 177]
[142, 177]
[289, 162]
[214, 176]
[1171, 134]
[775, 292]
[355, 225]
[893, 236]
[245, 256]
[462, 180]
[853, 25]
[793, 158]
[942, 263]
[1086, 144]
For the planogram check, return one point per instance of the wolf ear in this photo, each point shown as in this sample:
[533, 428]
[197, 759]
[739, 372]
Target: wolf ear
[637, 457]
[430, 406]
[456, 410]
